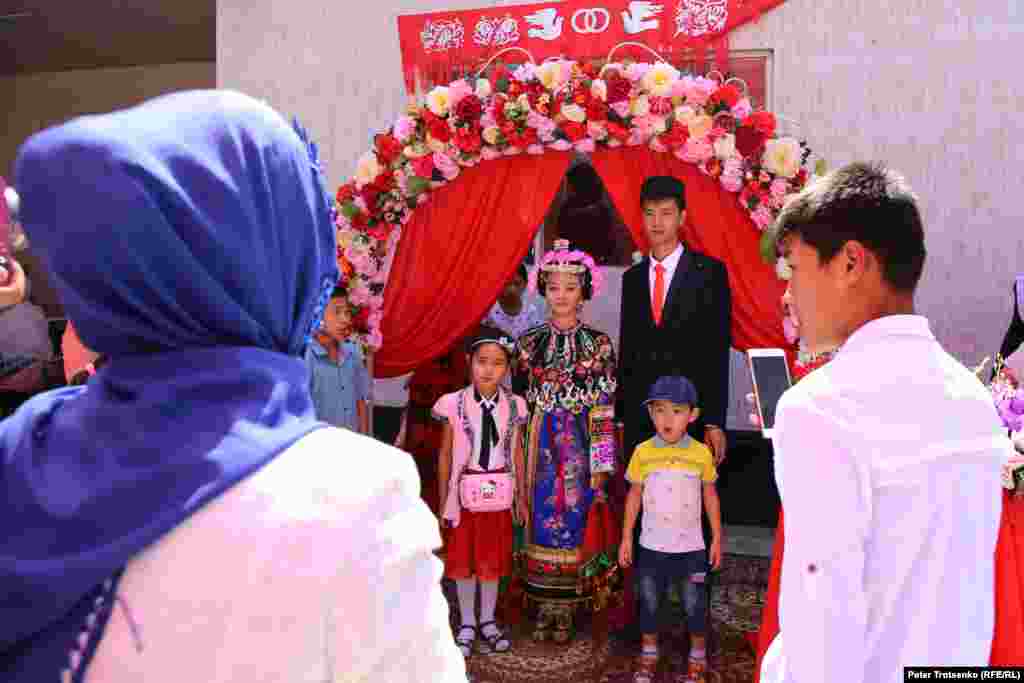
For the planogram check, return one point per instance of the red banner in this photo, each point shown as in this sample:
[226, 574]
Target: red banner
[575, 29]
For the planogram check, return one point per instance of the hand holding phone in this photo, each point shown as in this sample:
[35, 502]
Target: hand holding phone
[770, 372]
[6, 269]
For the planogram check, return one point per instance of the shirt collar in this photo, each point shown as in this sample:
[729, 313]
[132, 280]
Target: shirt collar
[889, 326]
[318, 349]
[670, 261]
[661, 443]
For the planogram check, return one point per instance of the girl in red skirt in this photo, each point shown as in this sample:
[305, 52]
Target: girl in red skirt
[480, 482]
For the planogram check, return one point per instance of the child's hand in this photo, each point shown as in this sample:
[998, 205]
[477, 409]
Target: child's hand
[753, 417]
[626, 553]
[715, 554]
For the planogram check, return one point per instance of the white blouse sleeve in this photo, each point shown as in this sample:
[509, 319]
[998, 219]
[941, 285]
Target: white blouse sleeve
[822, 603]
[391, 619]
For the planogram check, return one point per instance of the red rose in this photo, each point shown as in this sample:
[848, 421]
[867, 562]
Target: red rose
[728, 95]
[508, 129]
[618, 89]
[589, 70]
[501, 72]
[749, 141]
[346, 193]
[439, 130]
[763, 122]
[498, 110]
[617, 131]
[359, 220]
[370, 195]
[660, 105]
[424, 166]
[468, 139]
[515, 88]
[384, 182]
[574, 131]
[525, 139]
[469, 108]
[361, 320]
[581, 97]
[388, 148]
[714, 167]
[675, 136]
[597, 110]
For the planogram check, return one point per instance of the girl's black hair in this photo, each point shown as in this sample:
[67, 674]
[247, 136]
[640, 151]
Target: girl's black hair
[586, 283]
[522, 272]
[488, 333]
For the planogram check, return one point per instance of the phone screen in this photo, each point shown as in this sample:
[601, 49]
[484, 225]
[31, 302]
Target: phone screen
[771, 378]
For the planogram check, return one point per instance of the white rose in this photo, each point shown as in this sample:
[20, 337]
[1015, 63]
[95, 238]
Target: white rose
[549, 74]
[641, 106]
[599, 89]
[491, 134]
[725, 146]
[574, 113]
[659, 79]
[367, 169]
[523, 101]
[439, 100]
[483, 88]
[782, 157]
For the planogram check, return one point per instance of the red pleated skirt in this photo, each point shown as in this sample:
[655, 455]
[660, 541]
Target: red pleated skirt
[481, 546]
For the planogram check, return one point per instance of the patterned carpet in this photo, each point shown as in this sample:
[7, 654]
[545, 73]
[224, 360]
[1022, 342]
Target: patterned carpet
[736, 608]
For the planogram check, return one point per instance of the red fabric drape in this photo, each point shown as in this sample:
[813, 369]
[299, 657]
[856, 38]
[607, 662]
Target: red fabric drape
[716, 225]
[1008, 640]
[458, 251]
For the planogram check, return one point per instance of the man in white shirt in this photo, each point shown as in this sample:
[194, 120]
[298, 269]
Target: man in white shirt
[887, 459]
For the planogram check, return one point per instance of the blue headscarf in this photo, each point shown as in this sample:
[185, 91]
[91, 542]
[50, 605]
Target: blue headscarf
[192, 243]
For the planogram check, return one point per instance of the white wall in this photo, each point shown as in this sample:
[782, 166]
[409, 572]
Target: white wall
[930, 87]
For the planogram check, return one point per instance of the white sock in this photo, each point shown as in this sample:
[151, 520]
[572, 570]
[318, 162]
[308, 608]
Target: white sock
[488, 600]
[466, 589]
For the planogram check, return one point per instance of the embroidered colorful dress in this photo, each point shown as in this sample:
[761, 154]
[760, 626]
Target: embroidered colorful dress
[570, 436]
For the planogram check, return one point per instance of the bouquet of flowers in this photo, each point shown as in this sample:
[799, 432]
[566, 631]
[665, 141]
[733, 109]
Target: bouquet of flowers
[1008, 396]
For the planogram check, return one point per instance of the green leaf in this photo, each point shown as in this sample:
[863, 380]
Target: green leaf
[768, 247]
[418, 185]
[501, 85]
[820, 167]
[349, 210]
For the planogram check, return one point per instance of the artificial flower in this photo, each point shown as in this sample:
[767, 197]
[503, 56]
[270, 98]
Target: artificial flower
[696, 151]
[641, 106]
[439, 101]
[525, 73]
[699, 126]
[725, 146]
[469, 108]
[728, 95]
[491, 135]
[742, 109]
[483, 88]
[446, 165]
[457, 91]
[405, 128]
[618, 89]
[599, 89]
[659, 79]
[550, 75]
[573, 130]
[574, 113]
[749, 141]
[367, 168]
[763, 122]
[783, 157]
[638, 70]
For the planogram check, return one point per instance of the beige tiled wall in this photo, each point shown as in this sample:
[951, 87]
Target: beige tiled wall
[931, 87]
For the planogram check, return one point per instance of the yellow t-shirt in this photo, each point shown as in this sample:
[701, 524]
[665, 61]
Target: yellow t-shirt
[672, 476]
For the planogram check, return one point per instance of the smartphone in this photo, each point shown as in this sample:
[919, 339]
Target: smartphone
[770, 372]
[6, 231]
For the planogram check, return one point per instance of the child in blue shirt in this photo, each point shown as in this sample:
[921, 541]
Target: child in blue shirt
[339, 382]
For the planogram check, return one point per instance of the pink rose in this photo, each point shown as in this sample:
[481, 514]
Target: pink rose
[376, 339]
[561, 145]
[424, 166]
[458, 90]
[535, 149]
[762, 217]
[657, 146]
[699, 90]
[405, 128]
[742, 109]
[679, 88]
[586, 145]
[488, 121]
[621, 108]
[731, 182]
[636, 137]
[637, 70]
[489, 153]
[446, 165]
[779, 188]
[697, 151]
[423, 199]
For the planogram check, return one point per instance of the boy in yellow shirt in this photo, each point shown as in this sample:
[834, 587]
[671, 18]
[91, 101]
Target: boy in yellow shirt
[670, 473]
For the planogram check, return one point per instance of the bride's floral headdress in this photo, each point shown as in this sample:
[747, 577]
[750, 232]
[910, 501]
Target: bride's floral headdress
[563, 260]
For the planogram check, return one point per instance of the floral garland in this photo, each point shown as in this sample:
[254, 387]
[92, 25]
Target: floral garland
[557, 105]
[564, 256]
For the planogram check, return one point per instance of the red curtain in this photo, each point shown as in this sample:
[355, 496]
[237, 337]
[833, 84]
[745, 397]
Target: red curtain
[458, 251]
[1008, 642]
[716, 225]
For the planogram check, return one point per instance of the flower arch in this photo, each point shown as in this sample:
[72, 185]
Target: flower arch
[707, 121]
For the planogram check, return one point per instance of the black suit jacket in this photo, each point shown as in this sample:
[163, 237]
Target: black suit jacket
[692, 340]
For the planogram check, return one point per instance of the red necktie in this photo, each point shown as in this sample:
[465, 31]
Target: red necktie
[659, 293]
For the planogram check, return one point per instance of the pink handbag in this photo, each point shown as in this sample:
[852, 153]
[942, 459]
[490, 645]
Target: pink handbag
[486, 491]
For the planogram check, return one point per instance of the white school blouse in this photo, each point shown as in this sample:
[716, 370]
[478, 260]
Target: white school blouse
[887, 463]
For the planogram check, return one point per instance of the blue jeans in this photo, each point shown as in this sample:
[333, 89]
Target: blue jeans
[655, 571]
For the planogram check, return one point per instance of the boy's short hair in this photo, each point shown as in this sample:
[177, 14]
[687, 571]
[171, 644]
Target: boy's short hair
[864, 202]
[660, 187]
[340, 290]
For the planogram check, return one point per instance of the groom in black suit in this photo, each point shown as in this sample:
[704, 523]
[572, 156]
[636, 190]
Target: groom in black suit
[676, 317]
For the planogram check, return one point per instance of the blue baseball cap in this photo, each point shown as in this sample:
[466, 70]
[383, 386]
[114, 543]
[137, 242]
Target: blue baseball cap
[675, 389]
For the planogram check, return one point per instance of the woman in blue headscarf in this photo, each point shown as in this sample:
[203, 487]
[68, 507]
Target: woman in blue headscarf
[183, 516]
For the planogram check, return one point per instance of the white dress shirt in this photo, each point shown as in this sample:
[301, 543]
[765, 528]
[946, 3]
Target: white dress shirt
[887, 461]
[670, 263]
[315, 568]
